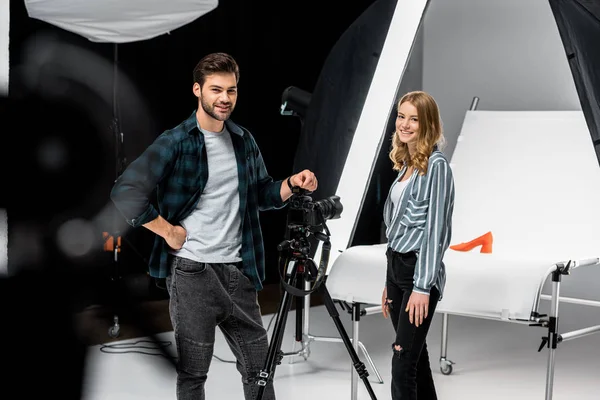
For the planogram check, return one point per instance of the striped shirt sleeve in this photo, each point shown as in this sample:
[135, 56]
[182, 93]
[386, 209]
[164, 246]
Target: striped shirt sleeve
[436, 233]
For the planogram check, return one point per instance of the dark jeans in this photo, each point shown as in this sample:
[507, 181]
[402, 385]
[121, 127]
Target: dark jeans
[202, 297]
[411, 372]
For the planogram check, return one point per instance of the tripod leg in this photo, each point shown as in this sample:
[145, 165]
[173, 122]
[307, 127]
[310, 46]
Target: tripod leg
[274, 354]
[361, 370]
[299, 307]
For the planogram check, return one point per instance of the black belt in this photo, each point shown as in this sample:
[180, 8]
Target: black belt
[238, 264]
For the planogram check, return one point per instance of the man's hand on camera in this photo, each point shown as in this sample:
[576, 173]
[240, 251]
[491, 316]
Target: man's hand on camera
[176, 237]
[305, 180]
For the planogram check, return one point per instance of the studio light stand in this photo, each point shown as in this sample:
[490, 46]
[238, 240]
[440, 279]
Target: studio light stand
[297, 267]
[112, 240]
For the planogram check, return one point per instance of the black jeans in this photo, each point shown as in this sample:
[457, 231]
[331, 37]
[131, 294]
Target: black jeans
[411, 372]
[202, 297]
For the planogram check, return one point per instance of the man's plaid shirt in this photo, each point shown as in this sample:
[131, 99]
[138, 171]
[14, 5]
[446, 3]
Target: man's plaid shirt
[175, 164]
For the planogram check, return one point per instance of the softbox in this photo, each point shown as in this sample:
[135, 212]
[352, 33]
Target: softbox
[119, 21]
[339, 96]
[578, 22]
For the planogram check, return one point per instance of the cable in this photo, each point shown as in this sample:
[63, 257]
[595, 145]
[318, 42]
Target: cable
[135, 347]
[118, 348]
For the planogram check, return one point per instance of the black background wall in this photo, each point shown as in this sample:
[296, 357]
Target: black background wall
[277, 44]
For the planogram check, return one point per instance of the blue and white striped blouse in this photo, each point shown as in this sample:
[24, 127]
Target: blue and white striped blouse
[423, 221]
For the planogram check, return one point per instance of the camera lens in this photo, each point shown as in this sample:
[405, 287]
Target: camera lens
[330, 207]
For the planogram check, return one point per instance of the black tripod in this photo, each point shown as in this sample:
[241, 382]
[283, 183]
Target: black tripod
[298, 267]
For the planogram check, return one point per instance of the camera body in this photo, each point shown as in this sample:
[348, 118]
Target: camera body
[303, 211]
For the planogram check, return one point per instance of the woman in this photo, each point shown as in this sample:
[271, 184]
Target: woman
[418, 216]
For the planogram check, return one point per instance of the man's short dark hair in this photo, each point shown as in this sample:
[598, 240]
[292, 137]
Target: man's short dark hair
[215, 63]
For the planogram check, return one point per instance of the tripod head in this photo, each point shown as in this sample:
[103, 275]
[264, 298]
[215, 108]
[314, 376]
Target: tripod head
[297, 244]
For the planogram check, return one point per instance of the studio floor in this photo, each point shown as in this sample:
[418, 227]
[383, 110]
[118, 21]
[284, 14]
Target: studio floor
[493, 360]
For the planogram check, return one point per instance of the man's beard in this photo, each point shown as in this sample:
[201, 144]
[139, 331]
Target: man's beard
[210, 110]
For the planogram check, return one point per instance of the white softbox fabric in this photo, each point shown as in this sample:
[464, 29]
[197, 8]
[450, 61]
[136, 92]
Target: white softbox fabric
[119, 21]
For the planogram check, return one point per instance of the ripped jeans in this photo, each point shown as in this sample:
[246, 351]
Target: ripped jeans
[206, 296]
[411, 372]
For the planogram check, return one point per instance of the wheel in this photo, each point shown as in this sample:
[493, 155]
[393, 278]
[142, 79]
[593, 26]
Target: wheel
[114, 331]
[446, 367]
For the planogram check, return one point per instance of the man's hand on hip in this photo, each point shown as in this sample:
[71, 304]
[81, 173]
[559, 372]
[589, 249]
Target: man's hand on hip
[176, 237]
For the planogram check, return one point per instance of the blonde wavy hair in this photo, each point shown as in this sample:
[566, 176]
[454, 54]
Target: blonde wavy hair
[430, 133]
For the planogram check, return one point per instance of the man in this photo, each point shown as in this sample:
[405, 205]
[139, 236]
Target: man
[211, 183]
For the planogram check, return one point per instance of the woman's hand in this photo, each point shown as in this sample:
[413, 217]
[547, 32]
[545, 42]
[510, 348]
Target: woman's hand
[417, 308]
[384, 303]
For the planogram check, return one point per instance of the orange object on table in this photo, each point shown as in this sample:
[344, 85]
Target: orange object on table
[485, 241]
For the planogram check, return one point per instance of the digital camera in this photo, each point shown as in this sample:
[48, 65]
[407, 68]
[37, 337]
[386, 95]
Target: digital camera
[305, 212]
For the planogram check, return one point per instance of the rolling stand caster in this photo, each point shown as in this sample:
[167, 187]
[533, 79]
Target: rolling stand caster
[446, 366]
[115, 330]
